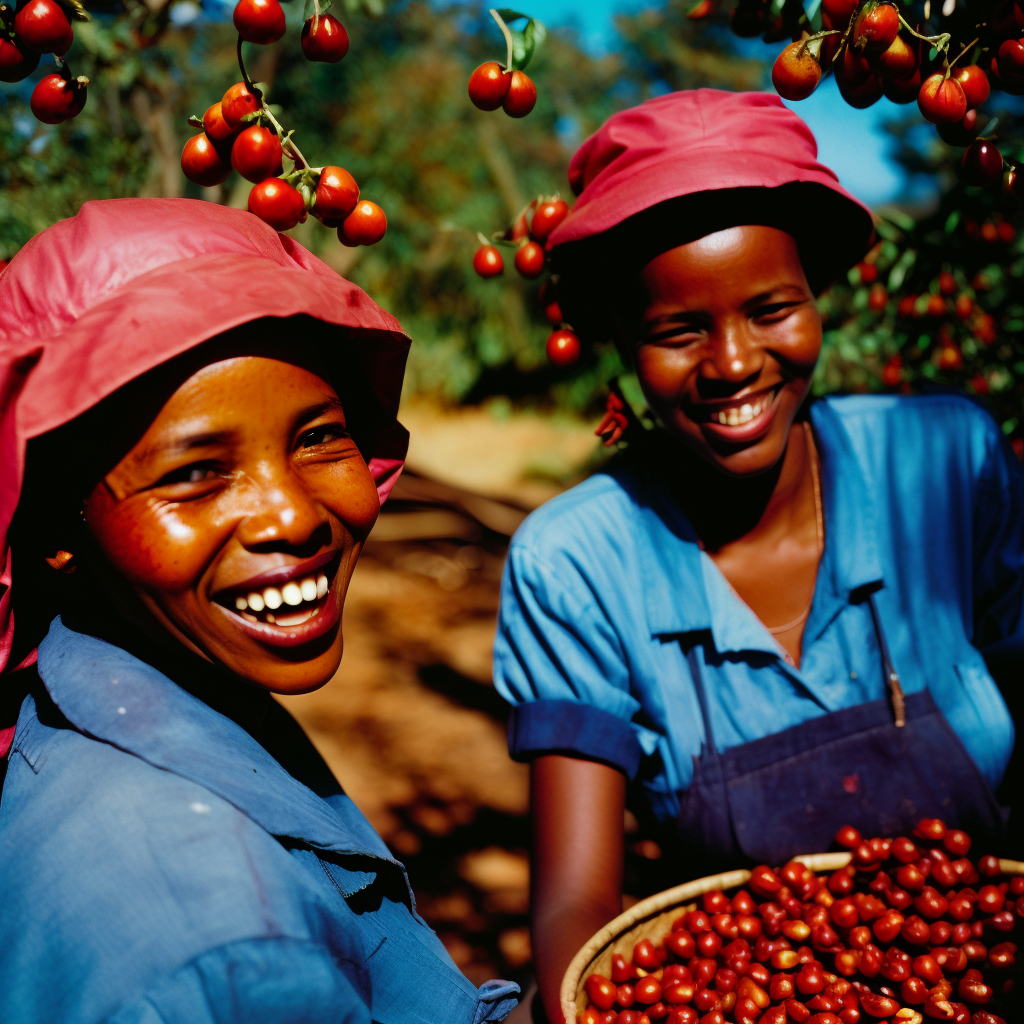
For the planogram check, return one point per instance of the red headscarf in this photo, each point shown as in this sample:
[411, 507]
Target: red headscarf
[99, 299]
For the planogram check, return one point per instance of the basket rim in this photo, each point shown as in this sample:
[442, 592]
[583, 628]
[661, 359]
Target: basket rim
[667, 898]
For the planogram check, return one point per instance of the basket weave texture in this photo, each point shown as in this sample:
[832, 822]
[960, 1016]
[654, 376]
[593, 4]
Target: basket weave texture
[652, 919]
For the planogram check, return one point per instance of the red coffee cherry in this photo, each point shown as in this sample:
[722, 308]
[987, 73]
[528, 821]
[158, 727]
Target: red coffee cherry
[256, 154]
[489, 85]
[521, 96]
[259, 21]
[904, 850]
[56, 98]
[201, 163]
[622, 969]
[529, 260]
[17, 61]
[216, 128]
[876, 27]
[941, 101]
[646, 956]
[765, 882]
[366, 225]
[276, 203]
[336, 196]
[897, 62]
[600, 991]
[647, 990]
[848, 837]
[236, 103]
[930, 903]
[680, 942]
[975, 85]
[563, 349]
[716, 902]
[981, 164]
[487, 262]
[43, 27]
[328, 43]
[988, 866]
[796, 72]
[546, 218]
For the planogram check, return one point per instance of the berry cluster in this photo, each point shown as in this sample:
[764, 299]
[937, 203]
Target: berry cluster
[241, 133]
[527, 235]
[33, 28]
[874, 51]
[507, 85]
[910, 929]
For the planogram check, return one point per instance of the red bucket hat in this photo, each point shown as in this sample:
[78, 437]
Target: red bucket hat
[128, 284]
[718, 159]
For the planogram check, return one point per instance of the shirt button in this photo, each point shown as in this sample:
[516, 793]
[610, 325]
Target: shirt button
[853, 675]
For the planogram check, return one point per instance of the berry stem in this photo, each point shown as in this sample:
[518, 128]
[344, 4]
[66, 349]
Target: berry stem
[940, 42]
[961, 53]
[508, 37]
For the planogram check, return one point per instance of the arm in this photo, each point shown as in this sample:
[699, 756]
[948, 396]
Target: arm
[577, 864]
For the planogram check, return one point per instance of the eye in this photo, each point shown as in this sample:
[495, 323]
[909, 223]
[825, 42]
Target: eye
[196, 473]
[773, 311]
[323, 435]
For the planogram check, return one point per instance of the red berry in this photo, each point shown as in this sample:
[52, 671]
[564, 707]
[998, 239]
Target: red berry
[563, 347]
[961, 133]
[941, 100]
[548, 302]
[521, 96]
[529, 260]
[259, 21]
[796, 73]
[488, 85]
[547, 217]
[365, 225]
[974, 83]
[838, 12]
[878, 297]
[277, 203]
[876, 27]
[256, 154]
[858, 85]
[488, 262]
[56, 99]
[216, 128]
[1010, 60]
[236, 103]
[328, 44]
[899, 61]
[17, 61]
[201, 163]
[982, 163]
[43, 26]
[336, 196]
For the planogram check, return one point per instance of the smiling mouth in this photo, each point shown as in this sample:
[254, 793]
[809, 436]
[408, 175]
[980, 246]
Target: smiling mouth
[738, 412]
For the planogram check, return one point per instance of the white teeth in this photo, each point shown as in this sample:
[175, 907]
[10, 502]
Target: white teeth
[249, 618]
[256, 602]
[292, 594]
[723, 419]
[746, 413]
[272, 598]
[308, 588]
[297, 618]
[734, 418]
[271, 619]
[240, 603]
[321, 586]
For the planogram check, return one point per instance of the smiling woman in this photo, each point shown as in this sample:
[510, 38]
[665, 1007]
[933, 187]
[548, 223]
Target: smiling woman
[205, 415]
[777, 617]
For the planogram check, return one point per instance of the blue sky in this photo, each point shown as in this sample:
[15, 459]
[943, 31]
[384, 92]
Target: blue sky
[851, 142]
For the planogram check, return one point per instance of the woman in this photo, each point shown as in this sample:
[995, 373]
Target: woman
[209, 414]
[775, 619]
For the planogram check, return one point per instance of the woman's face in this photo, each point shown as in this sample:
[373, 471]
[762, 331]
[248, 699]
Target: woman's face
[727, 340]
[238, 517]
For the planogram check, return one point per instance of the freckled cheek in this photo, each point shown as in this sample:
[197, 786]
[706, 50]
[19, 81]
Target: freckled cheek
[348, 490]
[154, 547]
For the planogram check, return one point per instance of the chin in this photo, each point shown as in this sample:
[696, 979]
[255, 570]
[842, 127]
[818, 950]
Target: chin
[291, 670]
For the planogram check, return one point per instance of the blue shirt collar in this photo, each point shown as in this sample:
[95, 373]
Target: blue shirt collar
[112, 696]
[677, 595]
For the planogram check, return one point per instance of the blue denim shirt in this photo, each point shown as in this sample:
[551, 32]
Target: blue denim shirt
[922, 498]
[157, 865]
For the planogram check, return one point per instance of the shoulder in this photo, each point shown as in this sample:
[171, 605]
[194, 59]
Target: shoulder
[95, 842]
[906, 428]
[585, 521]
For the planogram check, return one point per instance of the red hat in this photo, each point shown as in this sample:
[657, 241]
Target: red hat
[704, 142]
[101, 298]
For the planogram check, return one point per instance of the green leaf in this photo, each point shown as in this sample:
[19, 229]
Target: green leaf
[533, 35]
[507, 14]
[951, 222]
[813, 12]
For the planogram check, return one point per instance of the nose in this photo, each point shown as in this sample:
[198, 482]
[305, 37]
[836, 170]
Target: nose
[283, 516]
[733, 359]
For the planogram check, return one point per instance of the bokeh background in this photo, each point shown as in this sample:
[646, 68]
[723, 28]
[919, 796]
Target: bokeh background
[412, 725]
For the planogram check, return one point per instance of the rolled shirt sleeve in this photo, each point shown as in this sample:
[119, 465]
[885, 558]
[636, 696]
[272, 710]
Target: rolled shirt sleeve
[559, 662]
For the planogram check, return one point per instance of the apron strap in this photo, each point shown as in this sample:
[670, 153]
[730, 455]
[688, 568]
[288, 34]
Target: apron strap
[693, 660]
[892, 678]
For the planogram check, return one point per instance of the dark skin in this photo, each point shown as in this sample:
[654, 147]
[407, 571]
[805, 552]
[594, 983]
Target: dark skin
[725, 326]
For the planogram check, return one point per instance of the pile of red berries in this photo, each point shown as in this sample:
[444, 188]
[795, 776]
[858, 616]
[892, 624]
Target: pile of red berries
[911, 930]
[507, 85]
[527, 235]
[38, 27]
[241, 133]
[874, 51]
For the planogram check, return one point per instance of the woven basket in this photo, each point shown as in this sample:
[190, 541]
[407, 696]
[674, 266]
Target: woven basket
[652, 919]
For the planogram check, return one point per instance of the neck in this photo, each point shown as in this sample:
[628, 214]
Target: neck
[724, 508]
[243, 703]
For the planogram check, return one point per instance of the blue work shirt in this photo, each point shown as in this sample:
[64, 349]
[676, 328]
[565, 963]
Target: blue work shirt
[157, 865]
[922, 497]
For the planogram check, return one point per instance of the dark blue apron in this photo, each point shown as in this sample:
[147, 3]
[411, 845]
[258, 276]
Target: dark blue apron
[765, 801]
